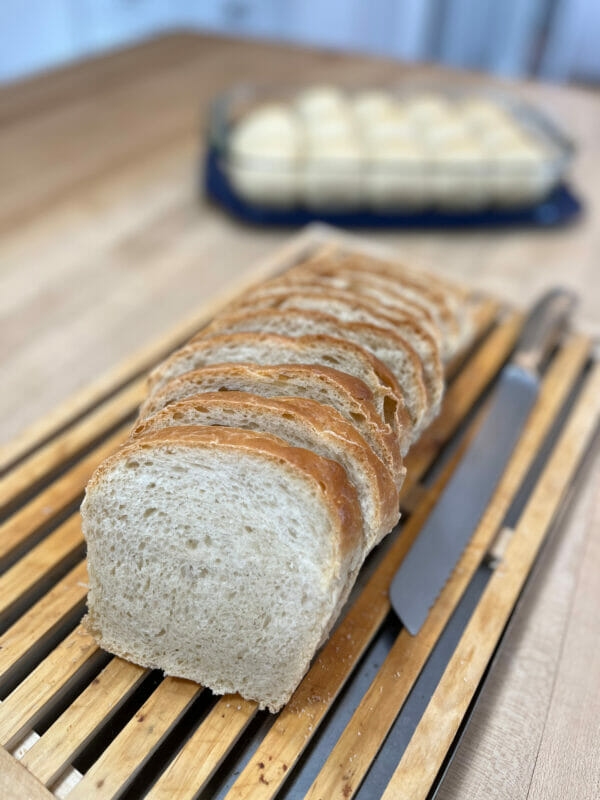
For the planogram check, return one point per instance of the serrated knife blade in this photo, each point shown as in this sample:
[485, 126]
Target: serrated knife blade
[453, 520]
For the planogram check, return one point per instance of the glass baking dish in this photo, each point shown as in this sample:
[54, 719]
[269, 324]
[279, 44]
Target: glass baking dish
[448, 148]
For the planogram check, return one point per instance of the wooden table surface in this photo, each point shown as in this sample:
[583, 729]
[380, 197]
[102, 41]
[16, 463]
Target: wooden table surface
[104, 245]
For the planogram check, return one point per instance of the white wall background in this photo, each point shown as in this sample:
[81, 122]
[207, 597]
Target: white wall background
[559, 39]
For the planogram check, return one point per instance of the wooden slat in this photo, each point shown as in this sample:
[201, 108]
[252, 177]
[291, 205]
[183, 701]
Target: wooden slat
[204, 752]
[484, 315]
[136, 743]
[67, 737]
[144, 359]
[463, 392]
[75, 440]
[47, 505]
[39, 563]
[41, 619]
[26, 703]
[17, 784]
[437, 728]
[348, 762]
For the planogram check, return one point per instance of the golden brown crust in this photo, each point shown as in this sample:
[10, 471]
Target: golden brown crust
[328, 478]
[324, 420]
[235, 376]
[231, 322]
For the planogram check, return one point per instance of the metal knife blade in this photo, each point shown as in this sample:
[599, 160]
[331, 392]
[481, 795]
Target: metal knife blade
[452, 522]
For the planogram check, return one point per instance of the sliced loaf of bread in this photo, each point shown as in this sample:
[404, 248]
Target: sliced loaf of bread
[301, 423]
[219, 555]
[348, 395]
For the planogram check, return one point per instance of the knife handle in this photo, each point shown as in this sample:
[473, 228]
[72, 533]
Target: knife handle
[546, 323]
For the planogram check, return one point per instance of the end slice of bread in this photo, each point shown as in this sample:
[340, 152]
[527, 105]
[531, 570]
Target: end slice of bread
[219, 555]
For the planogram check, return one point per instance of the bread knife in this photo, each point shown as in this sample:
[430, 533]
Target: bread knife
[454, 518]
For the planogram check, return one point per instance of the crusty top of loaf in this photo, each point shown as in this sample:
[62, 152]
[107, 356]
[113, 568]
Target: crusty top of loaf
[327, 477]
[326, 420]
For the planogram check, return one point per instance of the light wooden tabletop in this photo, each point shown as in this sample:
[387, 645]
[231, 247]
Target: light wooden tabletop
[104, 244]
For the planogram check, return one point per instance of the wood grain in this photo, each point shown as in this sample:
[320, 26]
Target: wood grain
[16, 783]
[134, 745]
[124, 402]
[202, 754]
[55, 499]
[25, 704]
[439, 724]
[67, 737]
[35, 625]
[39, 563]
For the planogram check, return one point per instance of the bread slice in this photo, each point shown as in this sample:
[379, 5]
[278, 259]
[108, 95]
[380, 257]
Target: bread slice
[348, 307]
[388, 347]
[270, 348]
[348, 395]
[220, 556]
[301, 423]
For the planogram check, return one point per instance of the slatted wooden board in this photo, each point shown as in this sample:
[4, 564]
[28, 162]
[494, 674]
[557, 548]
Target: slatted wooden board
[76, 722]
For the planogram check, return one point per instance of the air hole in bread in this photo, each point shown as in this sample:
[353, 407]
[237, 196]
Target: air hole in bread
[161, 632]
[390, 408]
[132, 464]
[222, 389]
[201, 409]
[191, 544]
[208, 540]
[177, 415]
[357, 417]
[331, 360]
[149, 511]
[286, 415]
